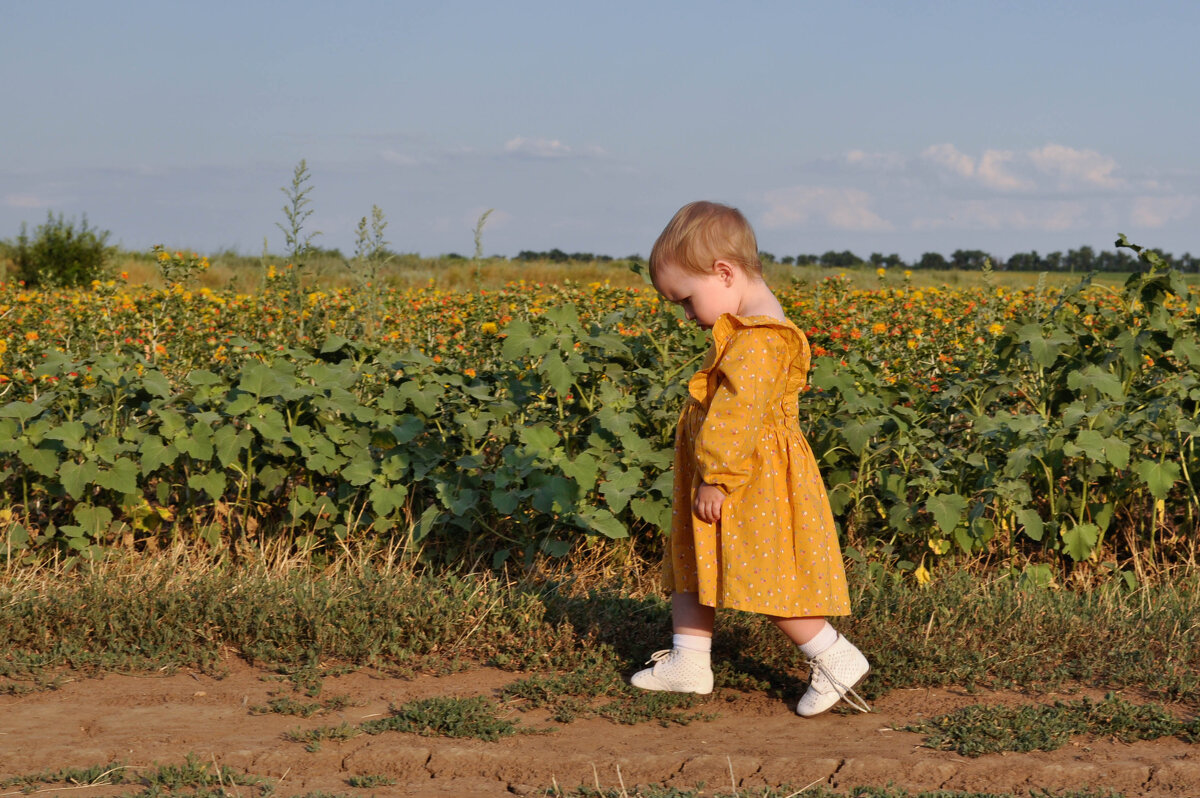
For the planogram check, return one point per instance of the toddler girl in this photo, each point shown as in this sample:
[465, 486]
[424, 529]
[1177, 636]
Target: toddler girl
[751, 526]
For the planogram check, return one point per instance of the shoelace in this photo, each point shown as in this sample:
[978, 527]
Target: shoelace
[659, 656]
[844, 691]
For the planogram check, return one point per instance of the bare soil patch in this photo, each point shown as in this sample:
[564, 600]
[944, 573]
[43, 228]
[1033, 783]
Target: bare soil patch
[142, 720]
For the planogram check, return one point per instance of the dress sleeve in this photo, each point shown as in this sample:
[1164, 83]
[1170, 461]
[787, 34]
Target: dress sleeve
[747, 370]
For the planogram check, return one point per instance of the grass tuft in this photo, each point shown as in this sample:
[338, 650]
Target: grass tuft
[290, 706]
[372, 780]
[161, 612]
[446, 717]
[979, 729]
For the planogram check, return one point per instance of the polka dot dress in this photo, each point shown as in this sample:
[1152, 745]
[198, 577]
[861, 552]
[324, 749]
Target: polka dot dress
[775, 550]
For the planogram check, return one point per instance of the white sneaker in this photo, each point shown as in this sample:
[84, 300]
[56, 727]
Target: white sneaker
[836, 671]
[677, 671]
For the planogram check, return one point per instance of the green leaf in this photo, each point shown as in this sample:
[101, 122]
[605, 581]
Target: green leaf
[653, 511]
[584, 469]
[1099, 448]
[947, 510]
[1094, 377]
[1028, 518]
[198, 444]
[23, 410]
[553, 494]
[1080, 541]
[426, 523]
[386, 499]
[1043, 347]
[212, 483]
[541, 438]
[244, 403]
[557, 548]
[121, 478]
[333, 343]
[407, 428]
[43, 461]
[599, 520]
[1187, 349]
[155, 454]
[516, 343]
[71, 433]
[199, 377]
[557, 373]
[259, 379]
[505, 501]
[1158, 477]
[94, 520]
[230, 442]
[268, 422]
[858, 434]
[619, 486]
[76, 477]
[156, 384]
[361, 471]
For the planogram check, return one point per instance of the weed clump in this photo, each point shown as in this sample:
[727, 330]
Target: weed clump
[983, 729]
[445, 717]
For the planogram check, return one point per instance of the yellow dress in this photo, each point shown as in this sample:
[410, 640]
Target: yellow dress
[775, 549]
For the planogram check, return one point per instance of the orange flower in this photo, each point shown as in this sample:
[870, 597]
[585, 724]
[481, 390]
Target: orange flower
[31, 336]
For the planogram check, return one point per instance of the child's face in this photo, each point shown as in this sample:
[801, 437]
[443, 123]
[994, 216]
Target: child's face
[703, 297]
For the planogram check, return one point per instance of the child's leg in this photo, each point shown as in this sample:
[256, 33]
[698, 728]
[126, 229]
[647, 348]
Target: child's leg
[686, 667]
[690, 617]
[800, 630]
[837, 665]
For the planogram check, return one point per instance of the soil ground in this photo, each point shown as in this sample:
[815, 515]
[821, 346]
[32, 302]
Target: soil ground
[754, 741]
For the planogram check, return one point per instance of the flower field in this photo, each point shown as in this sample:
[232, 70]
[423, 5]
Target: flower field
[1034, 425]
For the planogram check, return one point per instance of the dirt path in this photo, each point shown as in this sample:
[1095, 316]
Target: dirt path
[142, 720]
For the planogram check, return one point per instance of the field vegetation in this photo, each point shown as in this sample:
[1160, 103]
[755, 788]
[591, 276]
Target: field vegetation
[1050, 429]
[319, 462]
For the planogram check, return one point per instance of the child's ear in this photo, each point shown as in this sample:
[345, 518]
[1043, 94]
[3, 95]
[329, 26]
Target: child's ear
[725, 270]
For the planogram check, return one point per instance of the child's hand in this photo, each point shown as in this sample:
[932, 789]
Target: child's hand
[707, 505]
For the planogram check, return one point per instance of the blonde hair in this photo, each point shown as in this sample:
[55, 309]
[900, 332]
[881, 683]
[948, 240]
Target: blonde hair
[700, 234]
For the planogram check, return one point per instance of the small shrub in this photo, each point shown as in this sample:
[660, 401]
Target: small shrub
[61, 254]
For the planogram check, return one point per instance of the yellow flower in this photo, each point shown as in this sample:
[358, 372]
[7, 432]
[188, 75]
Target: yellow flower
[881, 271]
[922, 575]
[489, 328]
[995, 328]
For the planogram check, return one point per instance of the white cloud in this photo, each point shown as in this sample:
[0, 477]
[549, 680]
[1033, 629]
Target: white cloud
[888, 161]
[840, 208]
[991, 172]
[26, 201]
[537, 148]
[402, 159]
[948, 157]
[1158, 211]
[1005, 214]
[1075, 167]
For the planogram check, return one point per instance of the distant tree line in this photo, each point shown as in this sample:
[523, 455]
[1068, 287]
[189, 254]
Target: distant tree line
[558, 256]
[1084, 259]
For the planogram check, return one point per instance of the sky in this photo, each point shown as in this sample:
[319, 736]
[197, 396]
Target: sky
[903, 127]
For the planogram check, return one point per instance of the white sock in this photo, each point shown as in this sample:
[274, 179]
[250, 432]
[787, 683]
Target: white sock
[698, 646]
[823, 640]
